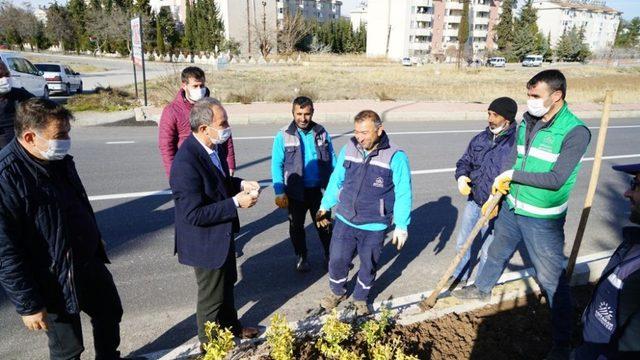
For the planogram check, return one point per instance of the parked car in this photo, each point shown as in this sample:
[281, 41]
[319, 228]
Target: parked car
[61, 77]
[24, 74]
[406, 61]
[497, 61]
[532, 60]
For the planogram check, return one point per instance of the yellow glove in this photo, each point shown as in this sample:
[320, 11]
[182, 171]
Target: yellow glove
[282, 201]
[463, 185]
[485, 207]
[502, 182]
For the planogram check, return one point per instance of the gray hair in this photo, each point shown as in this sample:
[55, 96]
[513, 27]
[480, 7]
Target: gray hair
[202, 112]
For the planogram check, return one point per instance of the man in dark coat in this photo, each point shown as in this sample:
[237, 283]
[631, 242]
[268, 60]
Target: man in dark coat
[475, 171]
[206, 200]
[52, 258]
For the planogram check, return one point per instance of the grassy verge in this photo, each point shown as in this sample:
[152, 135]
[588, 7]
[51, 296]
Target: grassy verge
[331, 77]
[103, 100]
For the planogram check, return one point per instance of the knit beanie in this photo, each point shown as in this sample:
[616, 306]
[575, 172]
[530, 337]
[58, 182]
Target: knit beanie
[506, 107]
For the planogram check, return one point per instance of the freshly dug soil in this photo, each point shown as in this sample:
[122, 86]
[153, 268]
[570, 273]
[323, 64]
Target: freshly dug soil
[518, 329]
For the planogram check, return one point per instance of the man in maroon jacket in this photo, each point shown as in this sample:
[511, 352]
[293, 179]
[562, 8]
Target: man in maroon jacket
[174, 125]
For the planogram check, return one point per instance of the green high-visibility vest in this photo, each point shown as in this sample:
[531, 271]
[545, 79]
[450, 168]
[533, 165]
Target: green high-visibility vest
[541, 156]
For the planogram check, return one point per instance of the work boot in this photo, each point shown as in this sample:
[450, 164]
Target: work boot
[452, 281]
[302, 265]
[331, 301]
[559, 352]
[362, 308]
[471, 292]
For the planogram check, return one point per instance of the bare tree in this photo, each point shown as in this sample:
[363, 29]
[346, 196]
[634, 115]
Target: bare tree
[57, 27]
[292, 31]
[109, 26]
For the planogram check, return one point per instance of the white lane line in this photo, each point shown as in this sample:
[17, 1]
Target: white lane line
[129, 195]
[119, 142]
[266, 183]
[435, 132]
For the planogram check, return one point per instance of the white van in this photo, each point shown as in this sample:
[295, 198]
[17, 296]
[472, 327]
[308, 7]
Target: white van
[532, 60]
[24, 74]
[497, 61]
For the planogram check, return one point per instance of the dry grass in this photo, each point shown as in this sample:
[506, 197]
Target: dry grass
[80, 67]
[332, 77]
[103, 100]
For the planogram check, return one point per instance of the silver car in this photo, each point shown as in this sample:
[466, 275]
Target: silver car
[61, 78]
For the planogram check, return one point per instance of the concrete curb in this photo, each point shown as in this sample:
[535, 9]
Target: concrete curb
[95, 118]
[512, 285]
[153, 114]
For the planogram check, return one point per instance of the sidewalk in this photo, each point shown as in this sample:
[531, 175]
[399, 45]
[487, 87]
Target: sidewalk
[345, 110]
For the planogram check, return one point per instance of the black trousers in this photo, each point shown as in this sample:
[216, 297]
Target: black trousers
[297, 212]
[216, 302]
[98, 297]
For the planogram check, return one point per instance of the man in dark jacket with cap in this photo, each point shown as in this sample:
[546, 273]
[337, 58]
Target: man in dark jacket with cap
[612, 318]
[475, 172]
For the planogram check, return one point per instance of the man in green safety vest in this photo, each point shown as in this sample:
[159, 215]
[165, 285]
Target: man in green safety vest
[537, 182]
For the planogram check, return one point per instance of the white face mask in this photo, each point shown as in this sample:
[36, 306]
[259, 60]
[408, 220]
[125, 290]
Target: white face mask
[196, 94]
[56, 149]
[5, 85]
[223, 135]
[498, 130]
[536, 107]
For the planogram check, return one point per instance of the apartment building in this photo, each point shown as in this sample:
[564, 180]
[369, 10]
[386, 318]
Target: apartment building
[358, 16]
[321, 10]
[428, 27]
[599, 21]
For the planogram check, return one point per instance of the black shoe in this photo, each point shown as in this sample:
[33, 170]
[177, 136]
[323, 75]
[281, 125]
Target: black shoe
[471, 292]
[559, 352]
[302, 265]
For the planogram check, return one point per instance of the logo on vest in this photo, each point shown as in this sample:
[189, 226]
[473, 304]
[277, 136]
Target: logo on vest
[379, 183]
[604, 314]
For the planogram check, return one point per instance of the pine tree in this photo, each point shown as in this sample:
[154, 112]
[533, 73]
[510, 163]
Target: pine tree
[463, 30]
[159, 38]
[78, 12]
[188, 41]
[526, 39]
[504, 29]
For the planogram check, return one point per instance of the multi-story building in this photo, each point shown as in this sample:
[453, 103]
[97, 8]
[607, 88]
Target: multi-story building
[321, 10]
[600, 22]
[428, 27]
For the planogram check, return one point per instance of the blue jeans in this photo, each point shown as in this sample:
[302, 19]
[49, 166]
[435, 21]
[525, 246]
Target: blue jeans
[544, 240]
[346, 243]
[472, 213]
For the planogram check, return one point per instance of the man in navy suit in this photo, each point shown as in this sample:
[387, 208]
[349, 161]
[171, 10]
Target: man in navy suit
[206, 201]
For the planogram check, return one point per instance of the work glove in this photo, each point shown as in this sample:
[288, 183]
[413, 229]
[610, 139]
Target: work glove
[399, 238]
[502, 182]
[323, 218]
[485, 207]
[463, 185]
[282, 201]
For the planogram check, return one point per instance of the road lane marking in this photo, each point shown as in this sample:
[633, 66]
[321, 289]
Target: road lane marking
[269, 183]
[434, 132]
[119, 142]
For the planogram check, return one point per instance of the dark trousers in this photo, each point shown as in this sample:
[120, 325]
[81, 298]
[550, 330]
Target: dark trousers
[98, 297]
[297, 212]
[215, 296]
[347, 242]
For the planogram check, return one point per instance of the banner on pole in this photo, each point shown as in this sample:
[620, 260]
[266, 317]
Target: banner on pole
[136, 42]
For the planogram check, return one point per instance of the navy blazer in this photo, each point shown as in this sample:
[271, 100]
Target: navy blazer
[206, 216]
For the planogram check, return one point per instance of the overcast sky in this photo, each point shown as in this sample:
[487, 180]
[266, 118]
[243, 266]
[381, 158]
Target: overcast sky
[630, 8]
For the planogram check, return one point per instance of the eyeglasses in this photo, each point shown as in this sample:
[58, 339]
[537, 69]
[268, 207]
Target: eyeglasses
[634, 183]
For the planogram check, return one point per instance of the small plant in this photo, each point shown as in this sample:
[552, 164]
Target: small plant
[383, 96]
[220, 341]
[334, 332]
[280, 338]
[373, 330]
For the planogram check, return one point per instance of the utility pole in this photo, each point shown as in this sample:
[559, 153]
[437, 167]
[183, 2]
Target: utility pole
[248, 28]
[264, 17]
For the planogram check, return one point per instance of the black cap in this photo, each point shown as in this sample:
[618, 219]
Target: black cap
[506, 107]
[632, 169]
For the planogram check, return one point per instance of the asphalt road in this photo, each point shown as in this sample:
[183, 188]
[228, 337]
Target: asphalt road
[159, 294]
